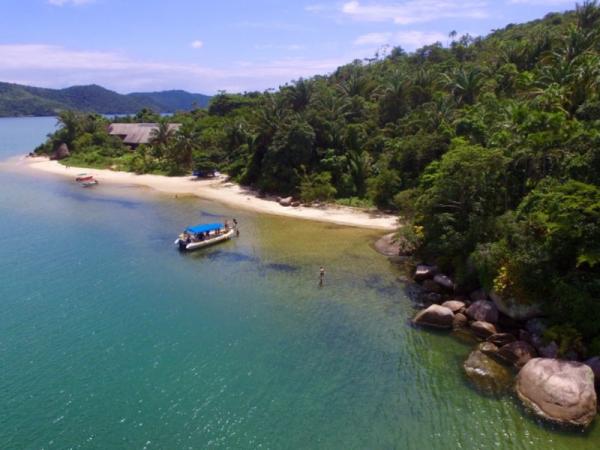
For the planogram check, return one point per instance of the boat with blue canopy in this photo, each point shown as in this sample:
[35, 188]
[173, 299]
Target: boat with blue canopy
[203, 235]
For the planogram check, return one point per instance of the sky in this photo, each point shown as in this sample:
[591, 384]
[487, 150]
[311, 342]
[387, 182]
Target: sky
[233, 45]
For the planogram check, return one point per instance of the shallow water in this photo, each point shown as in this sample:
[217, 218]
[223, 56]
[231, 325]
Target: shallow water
[109, 338]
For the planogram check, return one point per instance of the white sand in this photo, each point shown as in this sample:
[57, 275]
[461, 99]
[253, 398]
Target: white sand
[222, 191]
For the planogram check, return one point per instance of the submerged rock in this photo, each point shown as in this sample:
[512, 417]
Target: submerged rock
[483, 329]
[388, 245]
[486, 374]
[435, 316]
[484, 311]
[559, 391]
[517, 353]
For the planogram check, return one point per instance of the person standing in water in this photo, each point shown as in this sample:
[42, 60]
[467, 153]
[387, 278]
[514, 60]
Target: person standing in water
[321, 276]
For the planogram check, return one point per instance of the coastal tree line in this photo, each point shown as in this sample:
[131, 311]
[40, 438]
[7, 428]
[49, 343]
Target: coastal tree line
[489, 149]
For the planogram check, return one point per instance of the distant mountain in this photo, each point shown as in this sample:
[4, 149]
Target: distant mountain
[174, 100]
[20, 100]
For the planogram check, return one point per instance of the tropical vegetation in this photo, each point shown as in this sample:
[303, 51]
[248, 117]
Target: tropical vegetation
[488, 147]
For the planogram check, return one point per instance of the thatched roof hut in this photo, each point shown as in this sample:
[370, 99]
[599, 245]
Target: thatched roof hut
[135, 134]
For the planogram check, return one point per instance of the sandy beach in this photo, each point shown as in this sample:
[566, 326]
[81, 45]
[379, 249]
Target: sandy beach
[219, 190]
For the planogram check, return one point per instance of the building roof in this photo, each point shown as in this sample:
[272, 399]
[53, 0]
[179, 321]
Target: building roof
[137, 133]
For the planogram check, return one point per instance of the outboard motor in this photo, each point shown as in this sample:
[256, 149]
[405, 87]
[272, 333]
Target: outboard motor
[182, 245]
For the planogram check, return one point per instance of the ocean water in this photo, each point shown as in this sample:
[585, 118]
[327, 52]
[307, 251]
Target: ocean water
[109, 338]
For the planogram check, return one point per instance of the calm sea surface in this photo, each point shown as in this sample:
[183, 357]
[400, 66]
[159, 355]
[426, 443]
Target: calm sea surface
[109, 338]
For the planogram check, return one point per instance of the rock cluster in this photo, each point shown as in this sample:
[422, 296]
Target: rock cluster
[557, 390]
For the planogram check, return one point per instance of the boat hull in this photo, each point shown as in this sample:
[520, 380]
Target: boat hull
[183, 246]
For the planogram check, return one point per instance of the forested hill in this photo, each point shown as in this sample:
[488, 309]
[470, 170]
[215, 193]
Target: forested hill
[489, 149]
[19, 100]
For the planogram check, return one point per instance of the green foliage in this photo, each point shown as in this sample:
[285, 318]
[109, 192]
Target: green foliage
[567, 337]
[489, 148]
[317, 187]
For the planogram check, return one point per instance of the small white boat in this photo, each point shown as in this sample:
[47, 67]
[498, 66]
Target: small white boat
[200, 236]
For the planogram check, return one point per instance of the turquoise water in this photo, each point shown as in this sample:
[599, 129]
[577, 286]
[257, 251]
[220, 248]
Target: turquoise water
[109, 338]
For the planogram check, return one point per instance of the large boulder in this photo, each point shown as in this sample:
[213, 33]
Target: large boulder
[424, 272]
[435, 316]
[515, 309]
[483, 329]
[484, 311]
[517, 353]
[559, 391]
[61, 152]
[454, 305]
[501, 339]
[486, 374]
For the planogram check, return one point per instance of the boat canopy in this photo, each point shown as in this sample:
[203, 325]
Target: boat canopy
[205, 227]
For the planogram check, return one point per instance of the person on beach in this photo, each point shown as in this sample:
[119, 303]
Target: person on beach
[321, 276]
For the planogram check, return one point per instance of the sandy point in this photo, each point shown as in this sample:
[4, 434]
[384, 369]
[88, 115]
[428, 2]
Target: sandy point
[220, 190]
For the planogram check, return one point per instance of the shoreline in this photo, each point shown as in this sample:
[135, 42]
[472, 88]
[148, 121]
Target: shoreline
[219, 190]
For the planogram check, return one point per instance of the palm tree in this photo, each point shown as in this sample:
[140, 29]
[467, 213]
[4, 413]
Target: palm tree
[162, 135]
[464, 84]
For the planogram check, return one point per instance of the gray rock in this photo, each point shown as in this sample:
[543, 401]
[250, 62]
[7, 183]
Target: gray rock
[517, 353]
[424, 272]
[501, 339]
[486, 374]
[559, 391]
[435, 316]
[484, 311]
[444, 281]
[287, 201]
[483, 329]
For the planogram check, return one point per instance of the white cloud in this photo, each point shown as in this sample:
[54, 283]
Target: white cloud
[69, 2]
[409, 40]
[55, 66]
[197, 44]
[414, 11]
